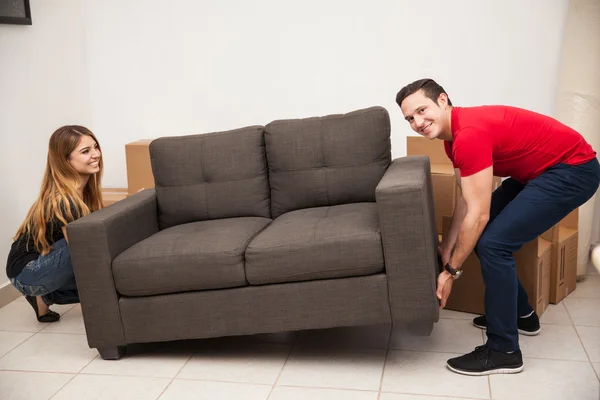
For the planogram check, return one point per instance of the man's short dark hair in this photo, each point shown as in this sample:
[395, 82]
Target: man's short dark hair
[430, 89]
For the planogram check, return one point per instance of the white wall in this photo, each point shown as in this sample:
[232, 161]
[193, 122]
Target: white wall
[133, 69]
[43, 85]
[203, 66]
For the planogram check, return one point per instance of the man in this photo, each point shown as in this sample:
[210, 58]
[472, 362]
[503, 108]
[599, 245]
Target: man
[552, 171]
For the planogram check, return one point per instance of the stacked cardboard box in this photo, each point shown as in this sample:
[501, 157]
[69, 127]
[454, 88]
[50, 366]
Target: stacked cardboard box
[139, 170]
[534, 260]
[442, 175]
[112, 195]
[445, 189]
[564, 238]
[533, 269]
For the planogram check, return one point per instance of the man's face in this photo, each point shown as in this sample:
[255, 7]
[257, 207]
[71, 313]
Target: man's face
[425, 116]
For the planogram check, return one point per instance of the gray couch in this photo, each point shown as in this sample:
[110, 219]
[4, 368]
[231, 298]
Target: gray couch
[300, 224]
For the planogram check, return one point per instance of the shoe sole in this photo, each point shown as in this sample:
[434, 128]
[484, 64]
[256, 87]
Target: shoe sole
[515, 370]
[522, 332]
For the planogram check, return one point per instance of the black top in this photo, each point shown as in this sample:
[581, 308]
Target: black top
[23, 250]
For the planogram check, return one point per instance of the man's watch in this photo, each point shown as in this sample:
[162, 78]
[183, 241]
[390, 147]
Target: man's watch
[456, 273]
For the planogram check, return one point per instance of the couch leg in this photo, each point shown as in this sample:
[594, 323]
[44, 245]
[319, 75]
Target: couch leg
[112, 353]
[420, 328]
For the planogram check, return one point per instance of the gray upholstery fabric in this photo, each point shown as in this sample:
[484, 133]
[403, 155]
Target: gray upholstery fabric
[210, 176]
[317, 243]
[256, 309]
[94, 241]
[326, 161]
[196, 256]
[216, 267]
[410, 240]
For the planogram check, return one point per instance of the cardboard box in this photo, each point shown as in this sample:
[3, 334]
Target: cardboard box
[445, 192]
[445, 189]
[564, 238]
[442, 174]
[571, 221]
[536, 280]
[420, 146]
[139, 169]
[563, 277]
[533, 269]
[112, 195]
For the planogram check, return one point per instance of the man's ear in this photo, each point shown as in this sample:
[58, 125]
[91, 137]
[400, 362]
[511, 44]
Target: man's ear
[442, 100]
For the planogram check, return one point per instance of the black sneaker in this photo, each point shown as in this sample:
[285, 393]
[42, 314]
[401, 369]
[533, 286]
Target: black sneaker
[486, 361]
[529, 326]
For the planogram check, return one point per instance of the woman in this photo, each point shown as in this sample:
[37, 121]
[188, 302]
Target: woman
[39, 262]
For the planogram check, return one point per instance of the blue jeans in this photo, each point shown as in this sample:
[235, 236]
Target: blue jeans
[50, 276]
[519, 214]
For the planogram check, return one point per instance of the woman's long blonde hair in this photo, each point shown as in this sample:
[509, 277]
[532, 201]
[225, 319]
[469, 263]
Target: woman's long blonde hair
[59, 198]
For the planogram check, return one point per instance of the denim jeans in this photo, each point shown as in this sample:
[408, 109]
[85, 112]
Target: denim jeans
[50, 276]
[519, 214]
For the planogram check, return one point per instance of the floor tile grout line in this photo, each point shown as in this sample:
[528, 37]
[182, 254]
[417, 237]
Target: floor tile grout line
[73, 377]
[19, 345]
[61, 333]
[38, 372]
[585, 350]
[318, 387]
[221, 381]
[16, 331]
[437, 396]
[489, 378]
[580, 341]
[175, 376]
[387, 351]
[284, 364]
[185, 364]
[62, 387]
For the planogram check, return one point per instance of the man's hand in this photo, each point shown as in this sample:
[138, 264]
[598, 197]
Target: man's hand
[445, 282]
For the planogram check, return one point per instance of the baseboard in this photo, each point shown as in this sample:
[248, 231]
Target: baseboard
[7, 294]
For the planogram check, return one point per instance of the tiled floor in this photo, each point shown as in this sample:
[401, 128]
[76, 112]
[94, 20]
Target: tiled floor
[53, 361]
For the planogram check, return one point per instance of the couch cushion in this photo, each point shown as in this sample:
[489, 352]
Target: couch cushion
[317, 243]
[210, 176]
[194, 256]
[326, 161]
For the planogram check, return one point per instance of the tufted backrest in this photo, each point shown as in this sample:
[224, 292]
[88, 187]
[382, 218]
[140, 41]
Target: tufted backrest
[329, 160]
[210, 176]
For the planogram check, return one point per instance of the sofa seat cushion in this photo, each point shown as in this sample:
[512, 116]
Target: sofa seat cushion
[317, 243]
[194, 256]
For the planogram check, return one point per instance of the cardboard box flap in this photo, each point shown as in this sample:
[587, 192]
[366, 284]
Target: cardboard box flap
[446, 169]
[141, 142]
[420, 146]
[565, 233]
[543, 246]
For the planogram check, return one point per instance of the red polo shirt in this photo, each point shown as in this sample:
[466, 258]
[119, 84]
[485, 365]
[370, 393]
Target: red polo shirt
[517, 143]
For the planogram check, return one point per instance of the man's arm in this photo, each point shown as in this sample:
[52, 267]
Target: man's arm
[477, 193]
[460, 210]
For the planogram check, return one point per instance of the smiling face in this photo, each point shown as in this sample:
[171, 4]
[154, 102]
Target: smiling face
[427, 118]
[85, 159]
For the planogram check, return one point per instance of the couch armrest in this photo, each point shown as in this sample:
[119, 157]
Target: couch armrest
[94, 241]
[409, 234]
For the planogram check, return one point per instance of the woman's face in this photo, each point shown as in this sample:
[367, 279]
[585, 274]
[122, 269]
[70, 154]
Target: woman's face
[85, 158]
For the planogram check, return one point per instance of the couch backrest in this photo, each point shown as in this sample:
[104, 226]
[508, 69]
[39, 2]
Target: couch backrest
[210, 176]
[328, 160]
